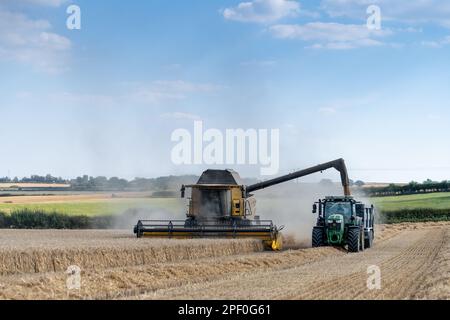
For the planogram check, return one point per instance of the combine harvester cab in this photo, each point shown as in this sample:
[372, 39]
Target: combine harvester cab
[219, 207]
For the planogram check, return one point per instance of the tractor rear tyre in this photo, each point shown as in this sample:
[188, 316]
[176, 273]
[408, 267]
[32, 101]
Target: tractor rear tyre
[317, 237]
[353, 239]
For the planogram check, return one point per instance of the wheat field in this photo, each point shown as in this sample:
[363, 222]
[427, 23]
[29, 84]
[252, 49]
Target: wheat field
[414, 259]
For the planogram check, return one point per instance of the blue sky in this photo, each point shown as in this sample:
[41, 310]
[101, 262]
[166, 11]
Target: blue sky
[104, 100]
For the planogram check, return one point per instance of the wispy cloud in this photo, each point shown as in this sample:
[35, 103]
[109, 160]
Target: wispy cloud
[433, 117]
[82, 99]
[180, 116]
[423, 11]
[129, 94]
[324, 35]
[50, 3]
[163, 90]
[327, 111]
[337, 105]
[437, 43]
[31, 42]
[262, 11]
[408, 17]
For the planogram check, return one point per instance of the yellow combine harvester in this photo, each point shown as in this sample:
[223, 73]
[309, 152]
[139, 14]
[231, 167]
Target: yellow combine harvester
[221, 206]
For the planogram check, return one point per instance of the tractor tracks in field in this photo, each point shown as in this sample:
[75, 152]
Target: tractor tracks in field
[402, 270]
[435, 283]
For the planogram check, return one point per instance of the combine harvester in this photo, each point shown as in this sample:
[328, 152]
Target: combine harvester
[221, 206]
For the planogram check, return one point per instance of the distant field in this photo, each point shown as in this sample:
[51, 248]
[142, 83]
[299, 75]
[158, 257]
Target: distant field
[34, 185]
[89, 205]
[439, 200]
[99, 204]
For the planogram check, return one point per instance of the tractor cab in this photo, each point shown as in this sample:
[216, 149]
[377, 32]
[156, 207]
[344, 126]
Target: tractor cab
[332, 208]
[336, 206]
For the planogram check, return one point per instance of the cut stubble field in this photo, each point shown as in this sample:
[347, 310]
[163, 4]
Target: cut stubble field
[413, 259]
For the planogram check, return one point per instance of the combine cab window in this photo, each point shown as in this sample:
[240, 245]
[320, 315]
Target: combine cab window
[343, 208]
[214, 204]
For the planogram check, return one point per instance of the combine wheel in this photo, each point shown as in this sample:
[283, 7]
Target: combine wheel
[277, 243]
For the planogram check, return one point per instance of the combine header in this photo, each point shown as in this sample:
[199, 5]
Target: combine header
[221, 206]
[261, 229]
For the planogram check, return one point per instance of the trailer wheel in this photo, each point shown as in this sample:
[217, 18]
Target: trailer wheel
[362, 242]
[317, 237]
[353, 239]
[369, 242]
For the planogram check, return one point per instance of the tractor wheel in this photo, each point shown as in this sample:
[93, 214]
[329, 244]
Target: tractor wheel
[317, 237]
[353, 239]
[368, 242]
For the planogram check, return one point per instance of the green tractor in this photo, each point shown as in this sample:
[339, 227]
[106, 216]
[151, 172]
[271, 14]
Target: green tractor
[343, 221]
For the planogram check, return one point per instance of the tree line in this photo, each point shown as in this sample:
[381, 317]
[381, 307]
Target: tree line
[34, 179]
[413, 187]
[173, 183]
[101, 183]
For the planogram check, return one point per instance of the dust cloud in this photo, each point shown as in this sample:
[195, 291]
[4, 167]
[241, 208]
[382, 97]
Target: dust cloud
[128, 219]
[290, 205]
